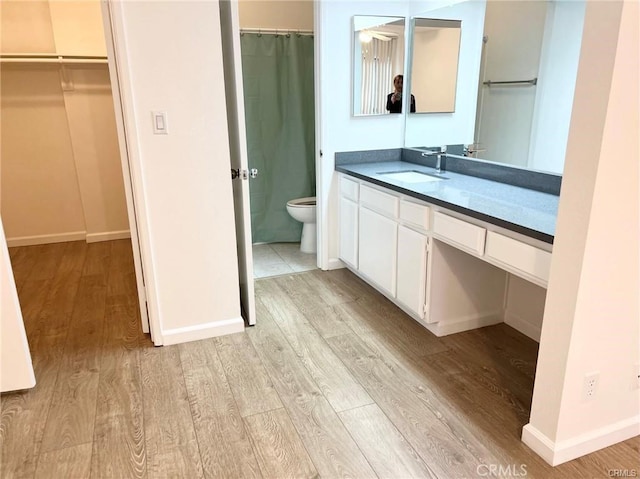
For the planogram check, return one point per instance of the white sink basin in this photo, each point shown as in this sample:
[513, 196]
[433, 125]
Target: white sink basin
[410, 176]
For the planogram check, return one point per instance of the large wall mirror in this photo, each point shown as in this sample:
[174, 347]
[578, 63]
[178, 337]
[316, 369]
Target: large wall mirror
[435, 45]
[378, 58]
[525, 62]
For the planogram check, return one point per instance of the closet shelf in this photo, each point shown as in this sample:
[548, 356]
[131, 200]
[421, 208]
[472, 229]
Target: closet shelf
[50, 58]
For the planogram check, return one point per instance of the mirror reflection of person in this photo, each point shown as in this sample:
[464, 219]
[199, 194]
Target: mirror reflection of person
[394, 100]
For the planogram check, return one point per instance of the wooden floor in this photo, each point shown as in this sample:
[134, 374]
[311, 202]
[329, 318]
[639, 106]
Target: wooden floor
[334, 381]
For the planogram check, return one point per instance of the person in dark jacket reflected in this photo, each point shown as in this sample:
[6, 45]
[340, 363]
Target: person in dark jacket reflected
[394, 100]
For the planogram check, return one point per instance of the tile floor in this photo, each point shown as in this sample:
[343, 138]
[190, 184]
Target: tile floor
[280, 258]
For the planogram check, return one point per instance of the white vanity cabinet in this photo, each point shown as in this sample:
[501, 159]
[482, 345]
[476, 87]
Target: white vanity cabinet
[449, 271]
[384, 239]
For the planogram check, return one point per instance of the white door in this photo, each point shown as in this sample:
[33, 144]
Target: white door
[378, 242]
[349, 232]
[412, 270]
[229, 20]
[16, 369]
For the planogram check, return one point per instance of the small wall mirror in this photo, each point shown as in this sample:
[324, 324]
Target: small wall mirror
[434, 64]
[378, 57]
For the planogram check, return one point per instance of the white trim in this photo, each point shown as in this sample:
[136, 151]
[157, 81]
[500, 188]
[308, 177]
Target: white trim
[126, 166]
[538, 442]
[114, 14]
[108, 236]
[444, 328]
[335, 263]
[202, 331]
[567, 450]
[523, 326]
[323, 195]
[46, 239]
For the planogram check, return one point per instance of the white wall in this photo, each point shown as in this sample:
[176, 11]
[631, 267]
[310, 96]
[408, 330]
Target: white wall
[170, 59]
[91, 126]
[452, 128]
[434, 69]
[591, 320]
[292, 14]
[26, 27]
[16, 370]
[524, 307]
[337, 130]
[77, 27]
[40, 193]
[556, 85]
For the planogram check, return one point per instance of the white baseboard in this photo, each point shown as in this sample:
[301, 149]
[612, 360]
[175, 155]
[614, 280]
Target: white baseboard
[444, 328]
[202, 331]
[335, 263]
[46, 239]
[525, 327]
[64, 237]
[108, 236]
[569, 449]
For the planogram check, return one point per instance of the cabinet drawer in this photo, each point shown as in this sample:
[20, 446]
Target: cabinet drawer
[414, 214]
[520, 256]
[349, 188]
[461, 233]
[379, 201]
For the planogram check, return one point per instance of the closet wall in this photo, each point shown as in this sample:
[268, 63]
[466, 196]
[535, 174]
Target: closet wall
[60, 171]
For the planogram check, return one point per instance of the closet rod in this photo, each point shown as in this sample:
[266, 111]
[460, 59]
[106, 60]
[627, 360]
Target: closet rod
[276, 31]
[52, 58]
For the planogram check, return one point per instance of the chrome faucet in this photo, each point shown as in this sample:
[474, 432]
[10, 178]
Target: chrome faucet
[438, 155]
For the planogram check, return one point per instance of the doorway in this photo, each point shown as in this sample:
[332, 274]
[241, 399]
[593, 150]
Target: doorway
[62, 175]
[277, 54]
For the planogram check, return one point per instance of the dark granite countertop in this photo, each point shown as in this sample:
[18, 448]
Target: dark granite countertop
[526, 211]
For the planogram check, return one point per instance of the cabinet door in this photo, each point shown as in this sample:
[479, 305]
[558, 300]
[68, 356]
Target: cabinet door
[378, 241]
[412, 270]
[349, 232]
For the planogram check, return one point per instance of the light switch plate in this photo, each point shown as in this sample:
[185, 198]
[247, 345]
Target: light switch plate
[160, 125]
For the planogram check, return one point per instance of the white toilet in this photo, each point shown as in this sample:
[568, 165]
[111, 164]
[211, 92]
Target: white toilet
[304, 210]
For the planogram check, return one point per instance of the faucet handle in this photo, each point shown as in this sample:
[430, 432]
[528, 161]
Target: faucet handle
[443, 149]
[472, 149]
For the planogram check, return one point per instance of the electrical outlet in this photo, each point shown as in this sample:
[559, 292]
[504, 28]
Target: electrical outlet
[590, 386]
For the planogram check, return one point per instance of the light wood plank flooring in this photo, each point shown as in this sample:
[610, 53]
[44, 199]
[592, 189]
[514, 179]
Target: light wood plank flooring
[334, 381]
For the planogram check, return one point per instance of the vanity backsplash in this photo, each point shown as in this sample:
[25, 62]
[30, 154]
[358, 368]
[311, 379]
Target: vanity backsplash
[511, 175]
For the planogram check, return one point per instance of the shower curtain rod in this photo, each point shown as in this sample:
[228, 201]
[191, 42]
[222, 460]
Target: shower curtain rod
[50, 58]
[276, 31]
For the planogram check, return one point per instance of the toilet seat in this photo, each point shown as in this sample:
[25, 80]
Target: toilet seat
[302, 202]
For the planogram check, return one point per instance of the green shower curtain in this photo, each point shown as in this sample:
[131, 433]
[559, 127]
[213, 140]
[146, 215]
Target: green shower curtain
[277, 72]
